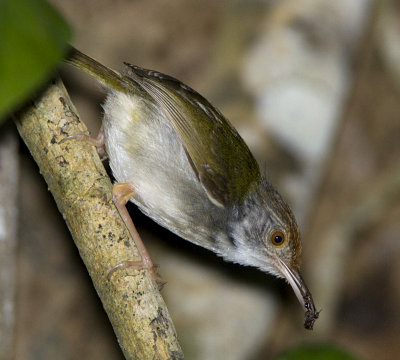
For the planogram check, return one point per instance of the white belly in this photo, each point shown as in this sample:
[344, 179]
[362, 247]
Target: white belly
[145, 151]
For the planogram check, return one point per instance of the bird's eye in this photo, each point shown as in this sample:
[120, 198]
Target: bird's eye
[278, 238]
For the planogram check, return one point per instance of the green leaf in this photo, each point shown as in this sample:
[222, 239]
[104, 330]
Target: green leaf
[316, 352]
[33, 40]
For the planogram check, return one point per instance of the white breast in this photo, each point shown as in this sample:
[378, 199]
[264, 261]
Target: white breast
[144, 150]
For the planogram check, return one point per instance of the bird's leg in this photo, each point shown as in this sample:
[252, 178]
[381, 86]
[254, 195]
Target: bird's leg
[122, 192]
[98, 142]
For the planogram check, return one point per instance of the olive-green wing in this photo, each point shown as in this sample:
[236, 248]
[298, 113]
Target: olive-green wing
[218, 155]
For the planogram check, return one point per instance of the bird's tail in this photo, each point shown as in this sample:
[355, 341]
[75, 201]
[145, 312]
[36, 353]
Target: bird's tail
[105, 75]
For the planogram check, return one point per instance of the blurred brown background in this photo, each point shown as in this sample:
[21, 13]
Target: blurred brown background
[313, 87]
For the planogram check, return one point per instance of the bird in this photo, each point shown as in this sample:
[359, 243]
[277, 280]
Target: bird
[186, 167]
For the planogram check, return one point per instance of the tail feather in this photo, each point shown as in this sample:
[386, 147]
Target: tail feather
[105, 75]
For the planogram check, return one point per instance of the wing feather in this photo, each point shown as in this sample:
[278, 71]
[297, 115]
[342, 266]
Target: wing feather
[218, 155]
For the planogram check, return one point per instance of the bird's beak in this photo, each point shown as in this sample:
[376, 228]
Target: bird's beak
[300, 289]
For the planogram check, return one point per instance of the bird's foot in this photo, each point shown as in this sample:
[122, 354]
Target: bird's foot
[122, 192]
[98, 142]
